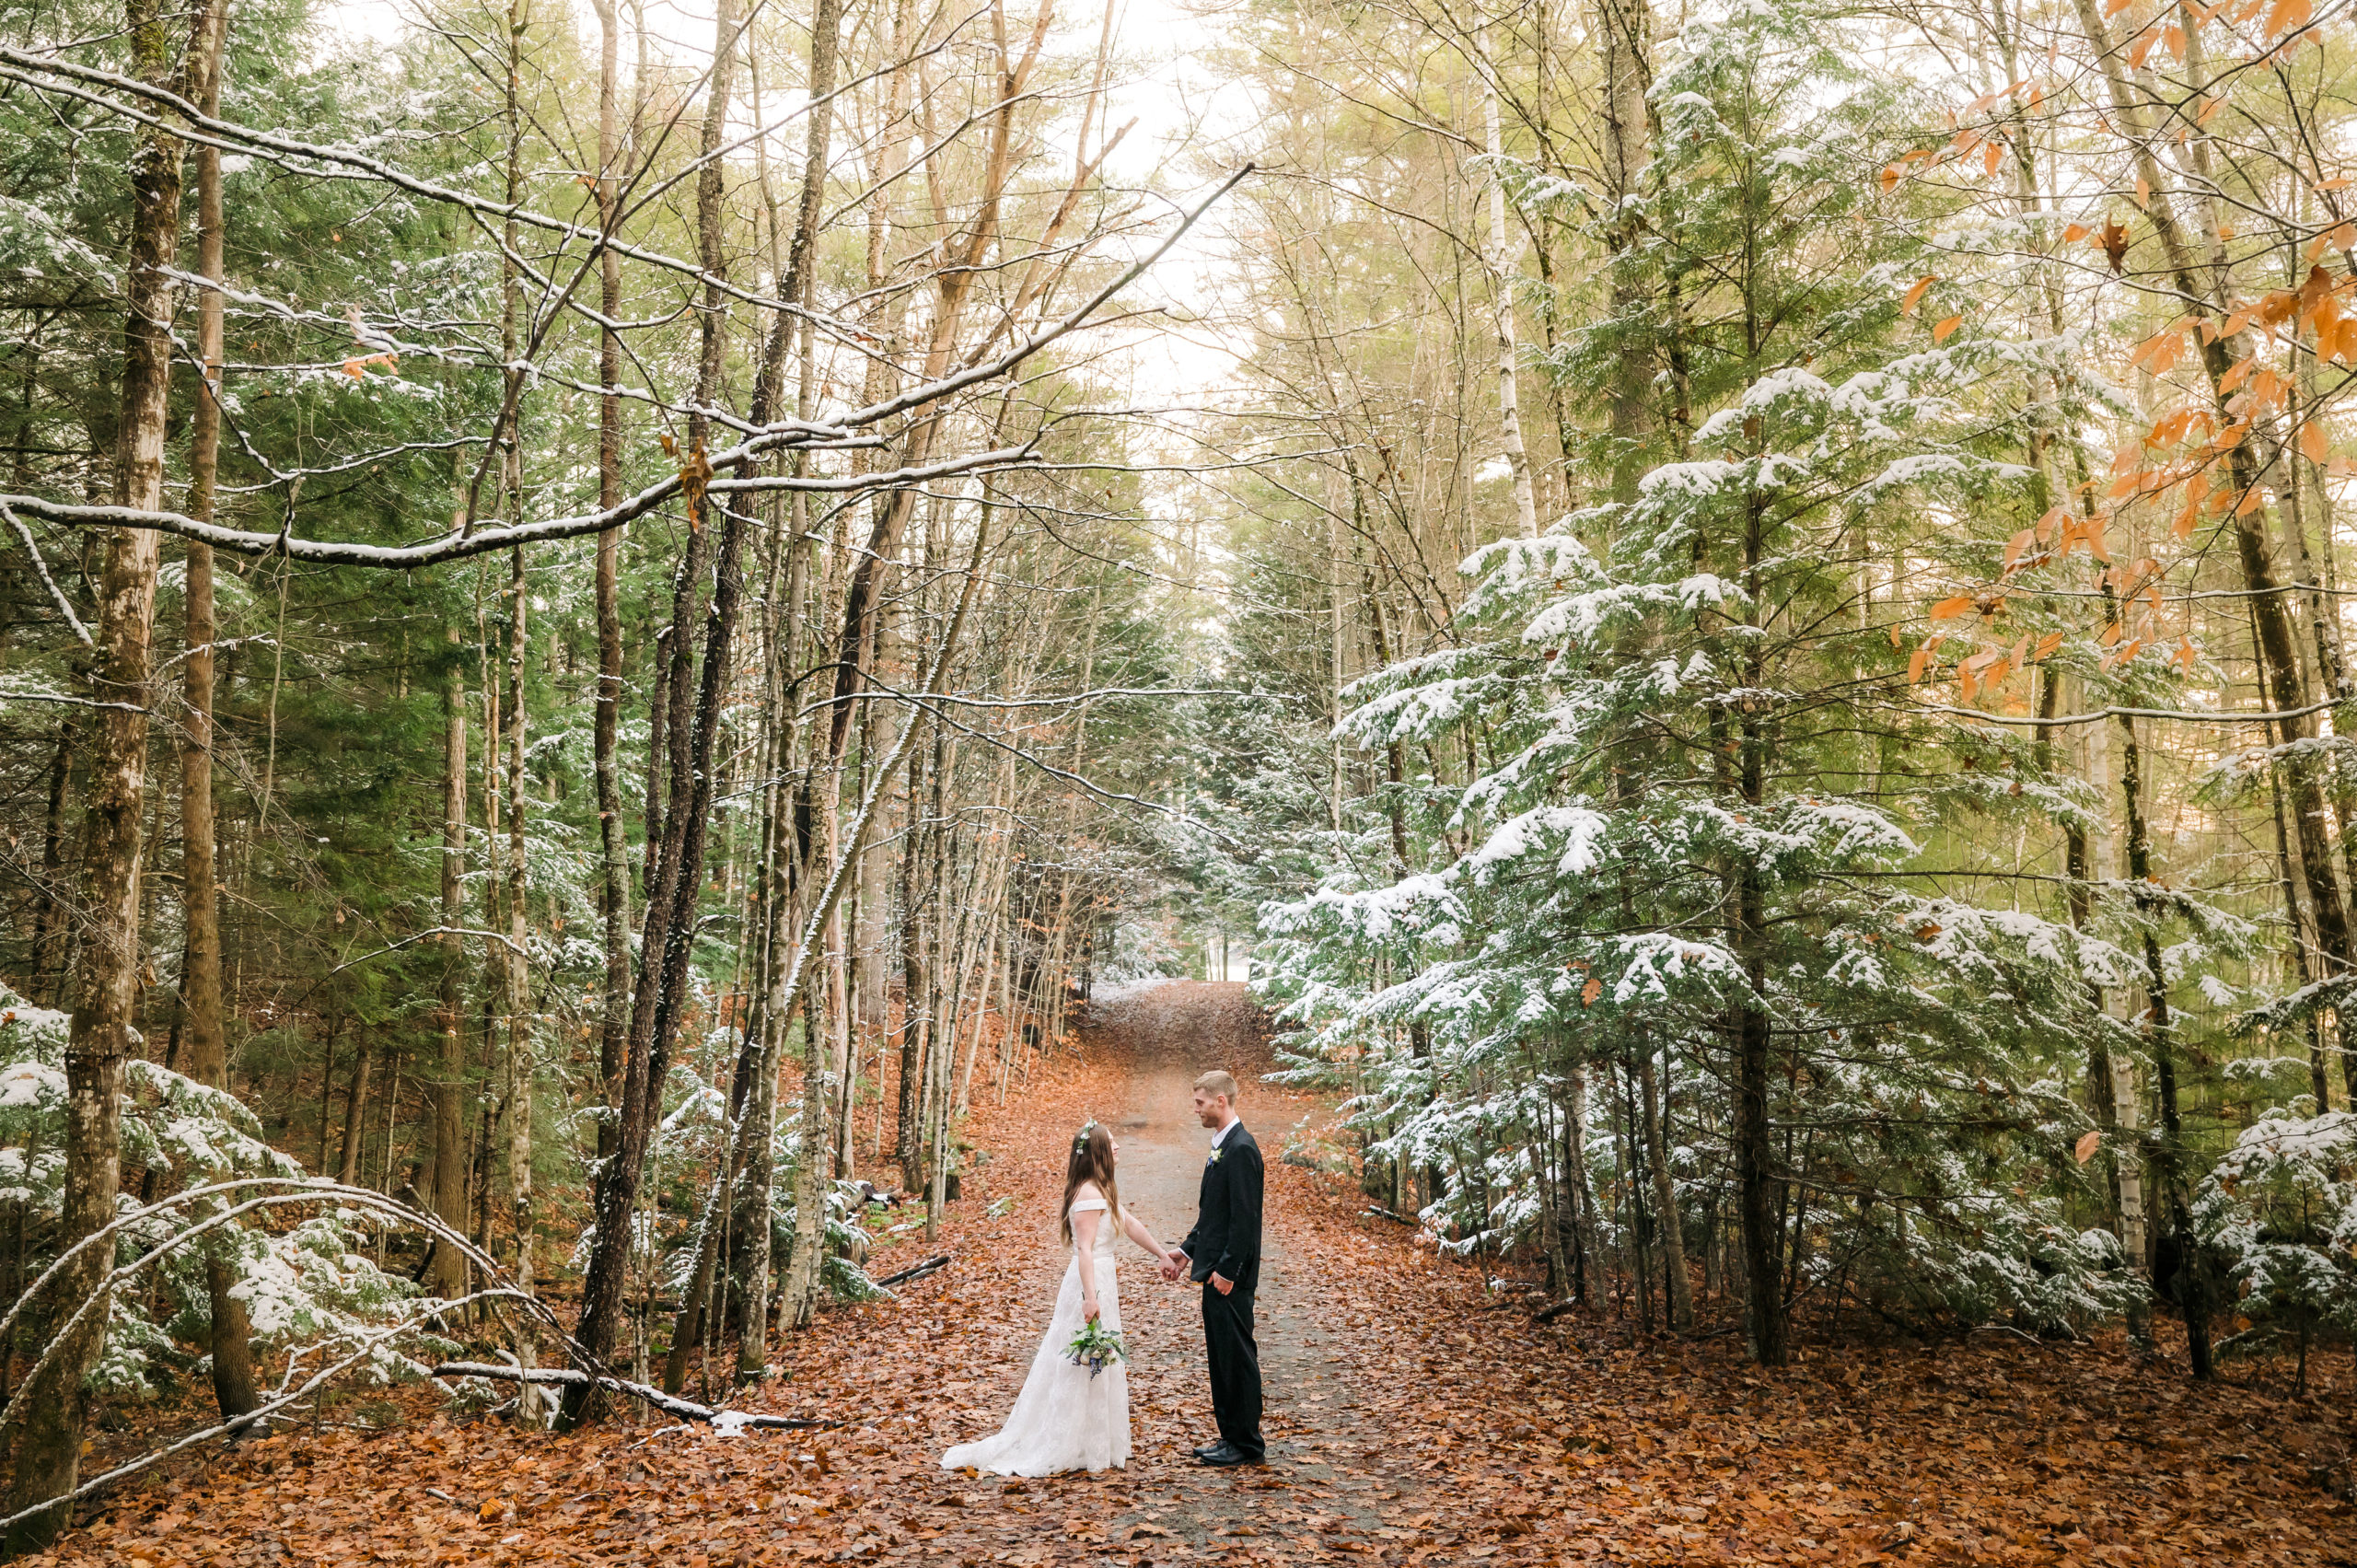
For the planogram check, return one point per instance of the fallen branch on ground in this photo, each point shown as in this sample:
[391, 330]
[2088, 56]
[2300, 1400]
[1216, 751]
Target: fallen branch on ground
[1549, 1314]
[1377, 1212]
[669, 1404]
[930, 1266]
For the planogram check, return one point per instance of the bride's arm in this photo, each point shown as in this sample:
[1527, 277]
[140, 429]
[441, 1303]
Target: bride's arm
[1134, 1228]
[1084, 1236]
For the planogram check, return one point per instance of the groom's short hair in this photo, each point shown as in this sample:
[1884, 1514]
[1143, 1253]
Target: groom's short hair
[1217, 1083]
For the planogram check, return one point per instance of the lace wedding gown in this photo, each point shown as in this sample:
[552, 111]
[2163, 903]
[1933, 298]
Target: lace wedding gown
[1064, 1418]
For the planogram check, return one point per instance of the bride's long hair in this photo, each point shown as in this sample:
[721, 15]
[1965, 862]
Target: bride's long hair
[1092, 1160]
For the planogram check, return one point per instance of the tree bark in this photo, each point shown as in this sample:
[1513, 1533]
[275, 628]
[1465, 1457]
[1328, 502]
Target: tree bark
[106, 971]
[517, 986]
[1504, 273]
[448, 1278]
[516, 980]
[2193, 1294]
[613, 1024]
[1627, 29]
[50, 937]
[203, 1035]
[1656, 1107]
[355, 1105]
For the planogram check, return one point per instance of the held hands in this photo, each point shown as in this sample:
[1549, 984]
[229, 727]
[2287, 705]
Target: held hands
[1174, 1265]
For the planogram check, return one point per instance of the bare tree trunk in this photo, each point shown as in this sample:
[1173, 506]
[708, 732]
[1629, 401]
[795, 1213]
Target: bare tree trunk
[906, 1147]
[1627, 28]
[51, 939]
[1504, 273]
[2193, 1293]
[516, 980]
[1583, 1192]
[678, 858]
[613, 1024]
[203, 1044]
[1656, 1108]
[450, 1271]
[517, 988]
[355, 1105]
[55, 1399]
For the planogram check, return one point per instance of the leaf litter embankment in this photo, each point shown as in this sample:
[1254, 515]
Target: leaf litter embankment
[1411, 1420]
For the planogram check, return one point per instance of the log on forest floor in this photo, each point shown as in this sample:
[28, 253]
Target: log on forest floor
[669, 1404]
[930, 1266]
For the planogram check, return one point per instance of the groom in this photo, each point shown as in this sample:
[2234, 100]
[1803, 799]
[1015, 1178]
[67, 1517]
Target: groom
[1222, 1254]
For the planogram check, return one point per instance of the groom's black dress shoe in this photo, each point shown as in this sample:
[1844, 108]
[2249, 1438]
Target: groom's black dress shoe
[1223, 1454]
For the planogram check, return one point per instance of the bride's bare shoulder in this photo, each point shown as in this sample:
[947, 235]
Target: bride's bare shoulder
[1087, 1190]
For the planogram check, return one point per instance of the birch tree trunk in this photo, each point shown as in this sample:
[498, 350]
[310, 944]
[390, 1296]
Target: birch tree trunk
[1504, 273]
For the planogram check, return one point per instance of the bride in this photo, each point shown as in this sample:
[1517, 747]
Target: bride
[1066, 1418]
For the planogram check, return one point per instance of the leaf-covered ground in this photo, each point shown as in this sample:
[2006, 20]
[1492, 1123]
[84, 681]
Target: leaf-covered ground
[1412, 1418]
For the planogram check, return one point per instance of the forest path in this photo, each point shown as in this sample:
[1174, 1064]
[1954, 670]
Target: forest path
[1165, 1035]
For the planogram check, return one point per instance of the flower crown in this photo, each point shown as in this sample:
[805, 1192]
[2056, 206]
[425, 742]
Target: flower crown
[1080, 1139]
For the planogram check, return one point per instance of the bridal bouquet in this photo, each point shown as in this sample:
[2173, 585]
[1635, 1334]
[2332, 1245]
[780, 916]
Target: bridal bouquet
[1095, 1347]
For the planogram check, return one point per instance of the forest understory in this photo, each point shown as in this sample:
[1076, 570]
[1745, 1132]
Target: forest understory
[1416, 1415]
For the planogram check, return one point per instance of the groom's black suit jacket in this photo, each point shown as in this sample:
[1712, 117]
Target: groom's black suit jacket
[1227, 1238]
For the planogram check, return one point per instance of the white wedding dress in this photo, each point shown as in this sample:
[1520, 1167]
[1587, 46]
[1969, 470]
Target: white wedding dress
[1064, 1418]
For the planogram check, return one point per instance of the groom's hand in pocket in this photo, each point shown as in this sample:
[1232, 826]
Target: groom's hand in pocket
[1222, 1284]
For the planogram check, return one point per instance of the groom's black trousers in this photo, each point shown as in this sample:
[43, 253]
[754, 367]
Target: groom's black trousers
[1236, 1368]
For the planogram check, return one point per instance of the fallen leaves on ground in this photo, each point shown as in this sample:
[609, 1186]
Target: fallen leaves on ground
[1414, 1418]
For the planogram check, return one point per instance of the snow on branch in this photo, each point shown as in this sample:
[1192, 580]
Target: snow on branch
[2297, 1007]
[785, 434]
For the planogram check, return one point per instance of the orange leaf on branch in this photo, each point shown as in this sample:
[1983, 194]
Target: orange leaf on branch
[2286, 14]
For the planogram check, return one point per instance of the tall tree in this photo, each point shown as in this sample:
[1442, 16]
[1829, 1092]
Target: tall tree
[166, 50]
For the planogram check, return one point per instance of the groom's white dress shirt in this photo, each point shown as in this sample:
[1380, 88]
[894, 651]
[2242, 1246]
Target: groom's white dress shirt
[1220, 1136]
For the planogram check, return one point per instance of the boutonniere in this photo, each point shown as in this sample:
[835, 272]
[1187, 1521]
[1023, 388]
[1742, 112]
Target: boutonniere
[1215, 1154]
